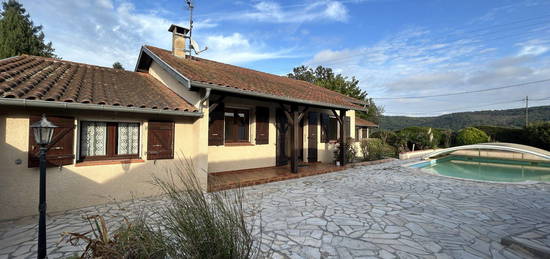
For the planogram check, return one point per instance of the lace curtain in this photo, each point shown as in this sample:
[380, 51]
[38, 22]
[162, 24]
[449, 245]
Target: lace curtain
[128, 138]
[94, 138]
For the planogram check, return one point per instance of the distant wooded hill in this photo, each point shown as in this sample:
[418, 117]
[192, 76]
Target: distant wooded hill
[455, 121]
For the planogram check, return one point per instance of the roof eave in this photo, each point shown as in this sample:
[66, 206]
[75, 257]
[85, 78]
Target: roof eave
[94, 107]
[271, 96]
[169, 69]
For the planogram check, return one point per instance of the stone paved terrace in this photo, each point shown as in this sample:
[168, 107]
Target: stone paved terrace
[380, 210]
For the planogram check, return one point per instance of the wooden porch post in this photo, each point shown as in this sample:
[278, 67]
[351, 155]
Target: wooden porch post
[294, 139]
[342, 138]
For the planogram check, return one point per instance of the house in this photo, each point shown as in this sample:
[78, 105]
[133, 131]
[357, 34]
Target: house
[118, 128]
[362, 128]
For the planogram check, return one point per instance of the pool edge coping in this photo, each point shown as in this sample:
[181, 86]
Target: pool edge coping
[408, 165]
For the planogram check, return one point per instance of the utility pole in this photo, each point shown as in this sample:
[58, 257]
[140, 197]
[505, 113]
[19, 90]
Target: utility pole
[526, 111]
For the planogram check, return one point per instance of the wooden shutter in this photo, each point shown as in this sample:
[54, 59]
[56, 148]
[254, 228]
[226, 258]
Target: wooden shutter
[216, 126]
[60, 151]
[262, 125]
[160, 140]
[324, 127]
[347, 127]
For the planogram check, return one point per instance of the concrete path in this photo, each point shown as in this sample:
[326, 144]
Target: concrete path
[383, 211]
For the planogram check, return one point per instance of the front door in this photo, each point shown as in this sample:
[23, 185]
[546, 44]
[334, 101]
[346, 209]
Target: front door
[313, 118]
[282, 126]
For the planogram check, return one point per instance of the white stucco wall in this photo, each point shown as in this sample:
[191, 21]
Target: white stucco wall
[160, 74]
[73, 186]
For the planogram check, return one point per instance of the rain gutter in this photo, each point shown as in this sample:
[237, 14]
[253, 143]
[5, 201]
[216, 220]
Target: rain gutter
[95, 107]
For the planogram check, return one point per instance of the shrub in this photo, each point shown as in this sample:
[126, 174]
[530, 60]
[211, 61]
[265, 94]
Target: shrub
[374, 149]
[385, 135]
[419, 137]
[445, 138]
[470, 135]
[538, 135]
[351, 151]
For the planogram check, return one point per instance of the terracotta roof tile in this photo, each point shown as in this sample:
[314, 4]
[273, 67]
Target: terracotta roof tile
[212, 72]
[363, 122]
[47, 79]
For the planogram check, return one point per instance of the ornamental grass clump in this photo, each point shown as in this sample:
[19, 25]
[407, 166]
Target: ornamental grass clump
[193, 224]
[132, 239]
[204, 225]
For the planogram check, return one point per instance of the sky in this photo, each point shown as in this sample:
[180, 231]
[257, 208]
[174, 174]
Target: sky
[395, 48]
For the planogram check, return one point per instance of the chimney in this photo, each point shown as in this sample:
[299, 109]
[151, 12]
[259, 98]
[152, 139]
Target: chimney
[178, 40]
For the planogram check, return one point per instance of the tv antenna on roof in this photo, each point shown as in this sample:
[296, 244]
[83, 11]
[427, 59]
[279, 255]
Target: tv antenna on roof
[193, 45]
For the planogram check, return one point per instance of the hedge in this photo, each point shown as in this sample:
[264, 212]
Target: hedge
[504, 134]
[538, 135]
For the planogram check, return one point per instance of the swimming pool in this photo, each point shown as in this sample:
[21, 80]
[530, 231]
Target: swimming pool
[487, 169]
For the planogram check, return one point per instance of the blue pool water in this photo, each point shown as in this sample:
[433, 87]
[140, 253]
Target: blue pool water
[487, 169]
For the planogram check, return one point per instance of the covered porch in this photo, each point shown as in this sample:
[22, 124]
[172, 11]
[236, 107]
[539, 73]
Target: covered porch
[247, 133]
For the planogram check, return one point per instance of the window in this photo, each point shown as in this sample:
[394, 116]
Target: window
[236, 125]
[108, 140]
[365, 133]
[332, 132]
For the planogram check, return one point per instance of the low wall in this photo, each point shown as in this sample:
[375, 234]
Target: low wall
[416, 154]
[498, 154]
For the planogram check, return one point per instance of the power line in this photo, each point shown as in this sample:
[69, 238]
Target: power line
[540, 99]
[469, 107]
[465, 92]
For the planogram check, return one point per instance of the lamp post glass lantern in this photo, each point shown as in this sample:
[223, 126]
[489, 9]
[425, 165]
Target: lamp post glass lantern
[43, 133]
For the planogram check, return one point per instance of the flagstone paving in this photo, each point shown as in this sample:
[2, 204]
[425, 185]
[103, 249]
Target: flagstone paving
[383, 211]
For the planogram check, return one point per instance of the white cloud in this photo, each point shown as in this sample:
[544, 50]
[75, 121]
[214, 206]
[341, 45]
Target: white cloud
[204, 24]
[412, 63]
[102, 31]
[336, 11]
[105, 4]
[534, 49]
[237, 49]
[273, 12]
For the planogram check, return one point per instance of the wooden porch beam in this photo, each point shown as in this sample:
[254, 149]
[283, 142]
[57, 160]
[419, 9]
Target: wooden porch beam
[294, 139]
[302, 113]
[287, 114]
[342, 118]
[215, 104]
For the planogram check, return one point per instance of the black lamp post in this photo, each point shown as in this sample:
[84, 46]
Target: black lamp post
[43, 132]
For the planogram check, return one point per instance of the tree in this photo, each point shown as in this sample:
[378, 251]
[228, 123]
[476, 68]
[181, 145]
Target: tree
[325, 77]
[374, 112]
[117, 65]
[18, 35]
